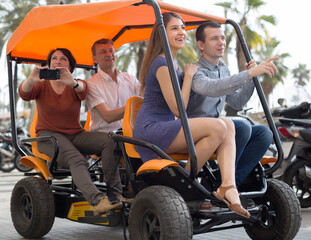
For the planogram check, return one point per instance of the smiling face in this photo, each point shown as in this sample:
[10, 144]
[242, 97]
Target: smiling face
[105, 56]
[214, 46]
[58, 59]
[176, 34]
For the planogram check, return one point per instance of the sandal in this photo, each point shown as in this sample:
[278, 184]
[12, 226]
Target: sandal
[237, 208]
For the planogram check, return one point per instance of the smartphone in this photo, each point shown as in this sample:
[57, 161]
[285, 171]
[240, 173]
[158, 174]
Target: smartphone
[49, 74]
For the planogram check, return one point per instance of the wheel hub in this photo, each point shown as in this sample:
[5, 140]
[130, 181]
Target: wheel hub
[26, 207]
[151, 226]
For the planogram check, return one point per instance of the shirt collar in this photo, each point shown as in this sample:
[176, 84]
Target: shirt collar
[211, 66]
[106, 76]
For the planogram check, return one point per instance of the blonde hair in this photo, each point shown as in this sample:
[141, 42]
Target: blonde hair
[154, 48]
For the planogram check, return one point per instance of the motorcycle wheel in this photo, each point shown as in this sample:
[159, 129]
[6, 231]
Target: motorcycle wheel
[19, 165]
[295, 177]
[6, 166]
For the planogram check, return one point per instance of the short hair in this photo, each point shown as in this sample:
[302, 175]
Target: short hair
[200, 35]
[100, 41]
[67, 53]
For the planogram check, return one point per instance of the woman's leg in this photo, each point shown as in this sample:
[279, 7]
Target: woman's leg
[99, 143]
[71, 158]
[207, 134]
[226, 160]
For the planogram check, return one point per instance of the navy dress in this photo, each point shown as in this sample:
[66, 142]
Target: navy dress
[155, 123]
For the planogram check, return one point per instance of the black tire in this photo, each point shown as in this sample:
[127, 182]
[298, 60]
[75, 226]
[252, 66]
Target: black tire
[159, 212]
[280, 216]
[295, 177]
[6, 166]
[32, 207]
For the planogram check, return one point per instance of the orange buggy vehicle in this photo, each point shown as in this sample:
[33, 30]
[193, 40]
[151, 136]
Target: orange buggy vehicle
[164, 193]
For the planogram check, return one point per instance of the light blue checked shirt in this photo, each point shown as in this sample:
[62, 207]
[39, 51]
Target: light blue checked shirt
[212, 86]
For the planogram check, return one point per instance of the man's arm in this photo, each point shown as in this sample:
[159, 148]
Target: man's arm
[239, 98]
[109, 115]
[206, 86]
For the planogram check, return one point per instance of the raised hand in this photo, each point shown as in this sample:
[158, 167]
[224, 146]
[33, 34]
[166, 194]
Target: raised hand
[266, 66]
[66, 77]
[190, 70]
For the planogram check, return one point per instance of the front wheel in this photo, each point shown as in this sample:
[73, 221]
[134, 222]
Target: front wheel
[280, 216]
[296, 177]
[159, 212]
[32, 207]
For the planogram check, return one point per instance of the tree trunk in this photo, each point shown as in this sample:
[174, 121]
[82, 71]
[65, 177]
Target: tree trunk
[140, 54]
[267, 88]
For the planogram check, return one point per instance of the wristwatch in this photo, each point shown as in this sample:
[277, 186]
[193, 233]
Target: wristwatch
[77, 85]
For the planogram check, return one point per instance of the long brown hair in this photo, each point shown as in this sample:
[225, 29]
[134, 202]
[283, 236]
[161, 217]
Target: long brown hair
[154, 48]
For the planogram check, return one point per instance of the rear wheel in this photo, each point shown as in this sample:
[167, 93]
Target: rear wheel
[296, 177]
[280, 214]
[32, 207]
[159, 212]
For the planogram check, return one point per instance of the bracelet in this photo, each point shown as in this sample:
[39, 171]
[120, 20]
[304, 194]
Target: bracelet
[77, 85]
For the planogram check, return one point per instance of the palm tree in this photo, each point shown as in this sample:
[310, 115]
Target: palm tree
[302, 74]
[12, 13]
[264, 52]
[253, 39]
[190, 53]
[128, 52]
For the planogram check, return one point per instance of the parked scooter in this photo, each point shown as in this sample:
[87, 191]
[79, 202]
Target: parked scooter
[9, 157]
[296, 167]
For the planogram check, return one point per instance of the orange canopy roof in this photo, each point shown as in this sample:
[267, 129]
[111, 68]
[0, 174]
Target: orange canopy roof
[77, 27]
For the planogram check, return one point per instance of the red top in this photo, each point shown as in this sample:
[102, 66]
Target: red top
[56, 112]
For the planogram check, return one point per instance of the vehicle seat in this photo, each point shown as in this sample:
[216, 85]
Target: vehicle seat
[34, 145]
[38, 161]
[131, 109]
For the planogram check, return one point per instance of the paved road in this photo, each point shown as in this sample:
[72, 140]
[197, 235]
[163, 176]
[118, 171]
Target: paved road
[65, 229]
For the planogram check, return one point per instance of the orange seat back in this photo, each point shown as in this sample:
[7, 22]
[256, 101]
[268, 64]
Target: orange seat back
[132, 107]
[34, 145]
[88, 121]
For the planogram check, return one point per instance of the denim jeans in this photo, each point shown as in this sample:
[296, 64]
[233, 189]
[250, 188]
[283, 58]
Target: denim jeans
[252, 142]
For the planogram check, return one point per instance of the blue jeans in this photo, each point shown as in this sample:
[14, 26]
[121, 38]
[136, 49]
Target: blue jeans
[252, 142]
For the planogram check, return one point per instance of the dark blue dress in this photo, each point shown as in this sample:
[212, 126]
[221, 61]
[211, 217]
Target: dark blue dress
[155, 123]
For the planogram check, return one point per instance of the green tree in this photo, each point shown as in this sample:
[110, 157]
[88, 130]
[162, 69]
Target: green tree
[128, 52]
[268, 50]
[11, 14]
[190, 53]
[246, 10]
[301, 74]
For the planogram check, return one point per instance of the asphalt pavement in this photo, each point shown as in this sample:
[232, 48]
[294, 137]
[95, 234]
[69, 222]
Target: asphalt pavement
[66, 229]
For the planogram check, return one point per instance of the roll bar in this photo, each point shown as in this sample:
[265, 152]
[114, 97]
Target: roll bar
[262, 99]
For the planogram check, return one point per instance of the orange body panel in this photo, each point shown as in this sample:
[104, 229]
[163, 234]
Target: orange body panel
[37, 164]
[156, 165]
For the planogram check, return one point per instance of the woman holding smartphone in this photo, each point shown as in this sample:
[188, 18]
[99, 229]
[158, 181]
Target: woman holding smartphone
[58, 105]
